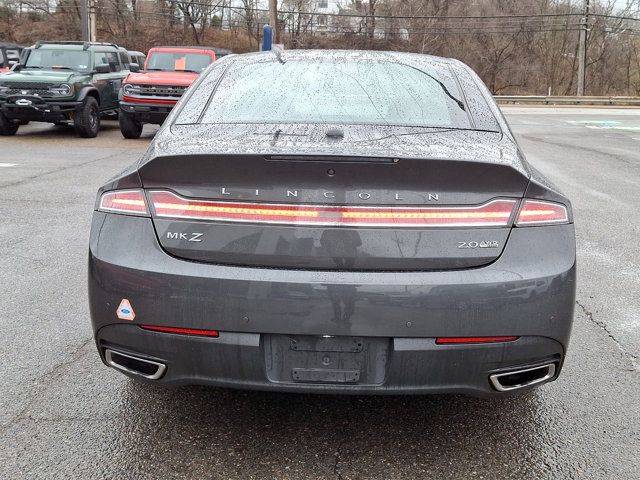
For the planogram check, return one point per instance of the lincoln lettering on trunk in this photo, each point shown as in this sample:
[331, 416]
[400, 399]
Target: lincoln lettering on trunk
[329, 194]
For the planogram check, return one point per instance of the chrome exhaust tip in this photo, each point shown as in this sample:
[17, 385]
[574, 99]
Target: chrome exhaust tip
[138, 366]
[526, 377]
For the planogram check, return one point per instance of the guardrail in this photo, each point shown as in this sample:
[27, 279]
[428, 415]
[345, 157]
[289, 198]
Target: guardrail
[546, 100]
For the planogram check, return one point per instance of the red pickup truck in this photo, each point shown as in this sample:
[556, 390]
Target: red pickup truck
[148, 96]
[9, 56]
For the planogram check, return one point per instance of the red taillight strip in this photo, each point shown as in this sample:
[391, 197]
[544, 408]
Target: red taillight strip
[124, 201]
[538, 212]
[182, 331]
[459, 340]
[491, 214]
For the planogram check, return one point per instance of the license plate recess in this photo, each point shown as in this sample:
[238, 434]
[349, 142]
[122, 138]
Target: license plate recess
[326, 360]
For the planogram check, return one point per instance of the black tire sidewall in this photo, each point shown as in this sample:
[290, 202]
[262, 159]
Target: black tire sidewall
[83, 124]
[7, 127]
[129, 126]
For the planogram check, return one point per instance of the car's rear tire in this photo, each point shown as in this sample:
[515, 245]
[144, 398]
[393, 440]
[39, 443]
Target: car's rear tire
[87, 120]
[129, 126]
[8, 127]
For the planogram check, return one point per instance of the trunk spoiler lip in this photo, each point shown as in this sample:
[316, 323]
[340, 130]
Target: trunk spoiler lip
[330, 157]
[196, 140]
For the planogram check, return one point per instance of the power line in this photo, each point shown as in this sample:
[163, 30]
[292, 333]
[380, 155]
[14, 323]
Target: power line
[223, 6]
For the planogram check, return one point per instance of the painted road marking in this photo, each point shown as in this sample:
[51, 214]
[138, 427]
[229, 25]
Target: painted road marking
[605, 125]
[8, 164]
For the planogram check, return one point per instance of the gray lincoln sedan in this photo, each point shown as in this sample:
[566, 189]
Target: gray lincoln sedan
[334, 222]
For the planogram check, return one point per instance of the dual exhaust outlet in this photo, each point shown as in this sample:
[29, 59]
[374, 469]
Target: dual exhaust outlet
[521, 378]
[502, 382]
[141, 367]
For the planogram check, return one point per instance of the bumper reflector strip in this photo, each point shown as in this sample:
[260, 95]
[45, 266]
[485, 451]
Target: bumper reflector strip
[495, 213]
[160, 101]
[182, 331]
[459, 340]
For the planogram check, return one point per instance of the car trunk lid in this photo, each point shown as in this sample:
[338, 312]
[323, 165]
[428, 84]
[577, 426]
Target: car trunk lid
[321, 211]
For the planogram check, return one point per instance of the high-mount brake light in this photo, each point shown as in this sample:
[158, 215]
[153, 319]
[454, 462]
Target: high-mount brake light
[182, 331]
[495, 213]
[131, 202]
[465, 340]
[539, 212]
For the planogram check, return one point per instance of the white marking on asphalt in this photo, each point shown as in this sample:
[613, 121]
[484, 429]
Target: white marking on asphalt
[604, 125]
[8, 164]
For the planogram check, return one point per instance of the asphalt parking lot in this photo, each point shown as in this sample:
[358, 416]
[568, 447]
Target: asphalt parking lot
[64, 415]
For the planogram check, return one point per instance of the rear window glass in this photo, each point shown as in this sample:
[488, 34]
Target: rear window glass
[176, 61]
[343, 92]
[13, 55]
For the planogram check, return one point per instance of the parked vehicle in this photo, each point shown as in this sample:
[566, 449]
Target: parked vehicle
[138, 58]
[148, 96]
[58, 82]
[9, 56]
[334, 221]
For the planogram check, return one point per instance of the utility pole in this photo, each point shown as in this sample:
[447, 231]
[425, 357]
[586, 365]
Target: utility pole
[582, 50]
[84, 19]
[273, 20]
[93, 22]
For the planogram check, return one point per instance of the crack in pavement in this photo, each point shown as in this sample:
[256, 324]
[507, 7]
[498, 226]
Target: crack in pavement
[603, 326]
[44, 382]
[58, 170]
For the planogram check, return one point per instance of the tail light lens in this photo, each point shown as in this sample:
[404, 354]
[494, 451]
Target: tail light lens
[539, 212]
[131, 202]
[494, 213]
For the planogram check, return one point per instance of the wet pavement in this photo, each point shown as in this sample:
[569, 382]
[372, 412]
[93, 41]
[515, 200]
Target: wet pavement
[65, 415]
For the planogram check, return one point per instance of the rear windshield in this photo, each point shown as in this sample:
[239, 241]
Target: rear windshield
[58, 58]
[178, 61]
[348, 92]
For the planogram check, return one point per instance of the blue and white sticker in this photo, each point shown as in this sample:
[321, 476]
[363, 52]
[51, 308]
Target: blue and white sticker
[125, 310]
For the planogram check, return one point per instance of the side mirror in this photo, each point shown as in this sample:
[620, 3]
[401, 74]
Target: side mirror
[134, 67]
[103, 68]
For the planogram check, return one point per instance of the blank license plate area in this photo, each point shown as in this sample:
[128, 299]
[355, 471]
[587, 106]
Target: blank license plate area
[326, 360]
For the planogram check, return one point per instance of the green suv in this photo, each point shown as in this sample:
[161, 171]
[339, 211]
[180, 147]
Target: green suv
[60, 82]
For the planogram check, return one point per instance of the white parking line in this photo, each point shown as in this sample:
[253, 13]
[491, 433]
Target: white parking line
[8, 164]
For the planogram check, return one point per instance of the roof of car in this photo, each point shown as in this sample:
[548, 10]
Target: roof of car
[364, 55]
[136, 53]
[74, 45]
[218, 51]
[190, 47]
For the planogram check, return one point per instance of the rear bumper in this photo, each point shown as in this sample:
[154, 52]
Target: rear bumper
[413, 366]
[39, 110]
[147, 112]
[528, 292]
